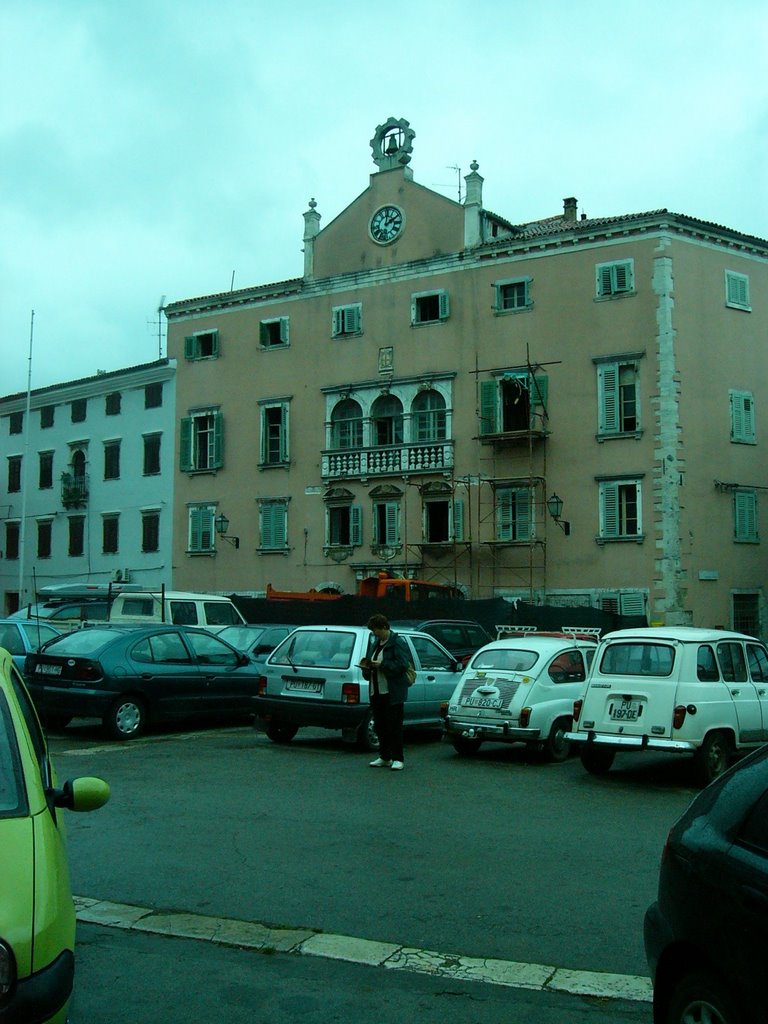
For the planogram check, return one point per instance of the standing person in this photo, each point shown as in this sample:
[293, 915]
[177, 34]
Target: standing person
[387, 671]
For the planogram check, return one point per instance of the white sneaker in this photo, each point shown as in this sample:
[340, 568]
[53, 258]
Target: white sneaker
[381, 763]
[397, 766]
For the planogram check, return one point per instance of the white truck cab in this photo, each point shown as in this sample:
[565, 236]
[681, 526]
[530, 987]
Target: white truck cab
[146, 608]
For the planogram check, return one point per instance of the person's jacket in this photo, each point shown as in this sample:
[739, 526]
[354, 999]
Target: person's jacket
[395, 659]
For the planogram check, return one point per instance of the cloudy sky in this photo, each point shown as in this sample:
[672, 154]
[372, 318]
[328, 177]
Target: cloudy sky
[159, 147]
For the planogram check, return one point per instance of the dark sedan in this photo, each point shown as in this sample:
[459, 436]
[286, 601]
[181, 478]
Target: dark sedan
[706, 936]
[132, 677]
[19, 637]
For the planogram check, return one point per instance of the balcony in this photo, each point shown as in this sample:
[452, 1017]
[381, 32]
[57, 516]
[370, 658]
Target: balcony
[74, 490]
[395, 460]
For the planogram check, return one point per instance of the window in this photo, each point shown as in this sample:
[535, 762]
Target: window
[273, 524]
[151, 454]
[150, 531]
[110, 534]
[347, 320]
[614, 278]
[203, 345]
[111, 460]
[45, 479]
[202, 436]
[112, 404]
[76, 536]
[273, 333]
[12, 540]
[347, 425]
[620, 509]
[153, 396]
[742, 417]
[79, 410]
[44, 528]
[617, 397]
[756, 656]
[737, 290]
[14, 474]
[386, 522]
[387, 421]
[428, 419]
[745, 616]
[429, 307]
[344, 525]
[513, 514]
[46, 417]
[512, 295]
[516, 401]
[274, 434]
[16, 423]
[201, 536]
[443, 520]
[745, 517]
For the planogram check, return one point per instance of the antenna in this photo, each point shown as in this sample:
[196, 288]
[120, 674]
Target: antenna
[441, 184]
[160, 309]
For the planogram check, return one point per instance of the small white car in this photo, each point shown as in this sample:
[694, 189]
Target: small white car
[520, 690]
[676, 689]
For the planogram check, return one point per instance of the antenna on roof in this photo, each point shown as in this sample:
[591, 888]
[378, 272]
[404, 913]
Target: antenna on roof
[440, 184]
[160, 309]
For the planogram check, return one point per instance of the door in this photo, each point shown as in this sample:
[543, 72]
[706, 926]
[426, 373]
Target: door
[229, 687]
[435, 680]
[733, 667]
[168, 675]
[757, 660]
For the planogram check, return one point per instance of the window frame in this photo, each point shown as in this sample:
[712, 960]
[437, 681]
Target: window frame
[608, 279]
[273, 524]
[110, 533]
[44, 538]
[202, 345]
[45, 471]
[611, 500]
[513, 509]
[150, 530]
[611, 403]
[737, 291]
[386, 514]
[14, 474]
[189, 436]
[267, 330]
[347, 320]
[419, 301]
[75, 536]
[201, 531]
[352, 528]
[47, 416]
[274, 439]
[512, 282]
[742, 407]
[113, 401]
[745, 517]
[151, 458]
[112, 459]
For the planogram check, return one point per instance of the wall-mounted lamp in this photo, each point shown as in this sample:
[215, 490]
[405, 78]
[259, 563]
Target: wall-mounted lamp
[555, 509]
[222, 525]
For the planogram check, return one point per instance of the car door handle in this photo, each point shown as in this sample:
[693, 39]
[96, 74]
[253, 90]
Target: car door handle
[761, 693]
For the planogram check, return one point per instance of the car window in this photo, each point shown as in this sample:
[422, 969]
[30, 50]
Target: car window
[33, 726]
[430, 655]
[758, 663]
[242, 637]
[220, 613]
[638, 659]
[13, 795]
[209, 650]
[732, 662]
[323, 649]
[706, 665]
[451, 637]
[568, 667]
[183, 613]
[505, 659]
[754, 832]
[162, 648]
[38, 635]
[10, 639]
[82, 642]
[138, 606]
[477, 636]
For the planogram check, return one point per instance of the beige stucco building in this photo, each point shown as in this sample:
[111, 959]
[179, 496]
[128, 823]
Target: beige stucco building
[439, 373]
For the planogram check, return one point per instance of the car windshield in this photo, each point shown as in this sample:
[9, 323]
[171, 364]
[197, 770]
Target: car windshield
[13, 798]
[83, 642]
[504, 659]
[320, 648]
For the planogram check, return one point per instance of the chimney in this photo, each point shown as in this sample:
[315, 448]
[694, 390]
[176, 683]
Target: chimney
[311, 229]
[570, 206]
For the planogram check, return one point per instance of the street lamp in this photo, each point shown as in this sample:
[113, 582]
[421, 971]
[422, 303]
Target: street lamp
[555, 509]
[222, 525]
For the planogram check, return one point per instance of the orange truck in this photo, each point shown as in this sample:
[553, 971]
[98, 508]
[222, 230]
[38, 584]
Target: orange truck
[381, 585]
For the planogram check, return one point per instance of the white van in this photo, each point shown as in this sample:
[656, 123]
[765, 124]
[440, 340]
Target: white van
[676, 689]
[210, 611]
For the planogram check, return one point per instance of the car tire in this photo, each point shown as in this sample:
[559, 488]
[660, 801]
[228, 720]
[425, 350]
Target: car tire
[465, 746]
[712, 758]
[701, 997]
[55, 722]
[556, 747]
[126, 718]
[597, 760]
[367, 739]
[281, 732]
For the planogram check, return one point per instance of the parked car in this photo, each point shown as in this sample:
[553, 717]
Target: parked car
[37, 915]
[313, 679]
[256, 641]
[706, 935]
[64, 615]
[19, 637]
[182, 608]
[130, 677]
[462, 637]
[520, 690]
[677, 689]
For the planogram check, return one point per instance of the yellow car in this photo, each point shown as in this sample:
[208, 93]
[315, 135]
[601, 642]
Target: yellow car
[37, 915]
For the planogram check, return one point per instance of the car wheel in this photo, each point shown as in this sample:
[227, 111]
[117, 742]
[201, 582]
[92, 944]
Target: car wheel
[366, 735]
[712, 757]
[556, 746]
[597, 760]
[465, 745]
[281, 732]
[55, 722]
[701, 999]
[126, 719]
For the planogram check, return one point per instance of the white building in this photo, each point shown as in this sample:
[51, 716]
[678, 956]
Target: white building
[86, 491]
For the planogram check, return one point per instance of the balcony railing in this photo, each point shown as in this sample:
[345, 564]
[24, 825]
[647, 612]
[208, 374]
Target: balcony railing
[74, 490]
[427, 457]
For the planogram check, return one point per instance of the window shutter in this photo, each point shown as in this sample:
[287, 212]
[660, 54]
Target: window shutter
[523, 515]
[458, 519]
[195, 529]
[609, 510]
[489, 404]
[742, 416]
[444, 308]
[392, 516]
[263, 333]
[632, 603]
[218, 441]
[608, 398]
[622, 277]
[355, 524]
[604, 281]
[185, 445]
[745, 515]
[504, 514]
[337, 321]
[283, 433]
[414, 312]
[352, 320]
[190, 347]
[214, 343]
[284, 330]
[737, 289]
[539, 390]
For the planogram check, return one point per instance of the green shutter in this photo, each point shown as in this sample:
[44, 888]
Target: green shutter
[215, 344]
[522, 515]
[263, 333]
[609, 510]
[352, 320]
[539, 390]
[337, 321]
[218, 441]
[458, 519]
[392, 517]
[504, 514]
[608, 398]
[356, 524]
[284, 453]
[284, 330]
[489, 407]
[745, 515]
[185, 445]
[742, 416]
[445, 306]
[190, 347]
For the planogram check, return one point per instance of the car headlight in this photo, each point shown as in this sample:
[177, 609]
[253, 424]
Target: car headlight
[7, 969]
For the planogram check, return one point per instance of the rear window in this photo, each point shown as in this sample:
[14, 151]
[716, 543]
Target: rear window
[83, 643]
[321, 649]
[637, 659]
[504, 660]
[137, 606]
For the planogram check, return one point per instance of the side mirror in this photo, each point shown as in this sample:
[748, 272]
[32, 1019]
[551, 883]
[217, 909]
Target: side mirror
[83, 794]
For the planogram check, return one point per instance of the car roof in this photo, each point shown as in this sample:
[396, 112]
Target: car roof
[683, 634]
[420, 623]
[537, 642]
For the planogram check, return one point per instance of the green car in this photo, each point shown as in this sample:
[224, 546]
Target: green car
[37, 915]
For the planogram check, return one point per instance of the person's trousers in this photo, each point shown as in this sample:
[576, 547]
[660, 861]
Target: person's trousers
[388, 723]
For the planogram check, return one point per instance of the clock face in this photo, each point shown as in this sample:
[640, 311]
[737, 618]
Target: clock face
[386, 224]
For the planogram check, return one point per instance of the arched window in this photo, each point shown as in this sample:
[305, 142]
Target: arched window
[387, 421]
[428, 418]
[347, 425]
[78, 464]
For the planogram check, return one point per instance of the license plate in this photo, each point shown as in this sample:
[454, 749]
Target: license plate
[625, 711]
[304, 685]
[49, 670]
[482, 702]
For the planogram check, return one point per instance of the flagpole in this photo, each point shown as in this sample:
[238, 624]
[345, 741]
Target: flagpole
[25, 468]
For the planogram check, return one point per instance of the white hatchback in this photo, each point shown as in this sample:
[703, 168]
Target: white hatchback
[520, 690]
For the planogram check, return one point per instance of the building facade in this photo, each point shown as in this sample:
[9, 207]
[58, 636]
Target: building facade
[88, 482]
[563, 411]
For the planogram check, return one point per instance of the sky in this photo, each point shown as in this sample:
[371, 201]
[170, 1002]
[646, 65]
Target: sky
[160, 150]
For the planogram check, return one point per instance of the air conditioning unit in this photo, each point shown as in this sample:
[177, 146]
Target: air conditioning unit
[122, 576]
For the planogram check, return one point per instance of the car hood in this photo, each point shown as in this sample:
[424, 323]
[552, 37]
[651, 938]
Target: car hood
[17, 859]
